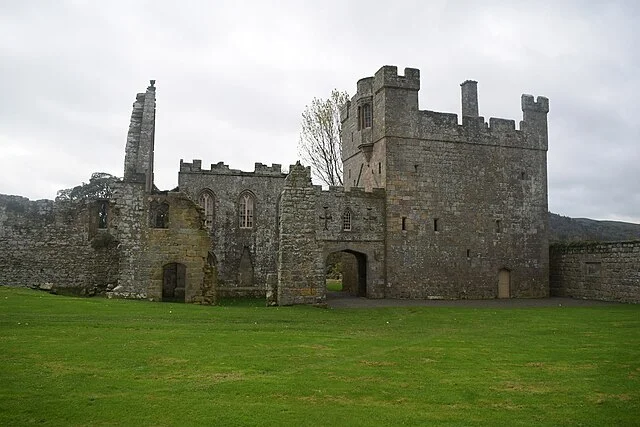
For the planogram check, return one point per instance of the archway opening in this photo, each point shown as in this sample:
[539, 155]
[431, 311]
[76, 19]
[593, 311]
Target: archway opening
[346, 274]
[173, 282]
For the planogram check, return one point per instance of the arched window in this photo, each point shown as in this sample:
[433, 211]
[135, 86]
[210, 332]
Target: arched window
[246, 210]
[206, 202]
[346, 220]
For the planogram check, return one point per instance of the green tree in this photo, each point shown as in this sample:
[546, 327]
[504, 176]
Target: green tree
[319, 144]
[100, 186]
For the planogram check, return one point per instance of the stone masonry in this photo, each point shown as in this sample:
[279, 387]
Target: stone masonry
[55, 246]
[138, 243]
[244, 255]
[463, 201]
[433, 206]
[607, 271]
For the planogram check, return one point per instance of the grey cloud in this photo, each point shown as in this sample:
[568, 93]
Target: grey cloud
[233, 78]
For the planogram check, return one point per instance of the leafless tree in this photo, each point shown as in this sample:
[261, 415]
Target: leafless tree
[319, 144]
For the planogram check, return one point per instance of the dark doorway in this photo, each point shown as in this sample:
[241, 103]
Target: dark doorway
[346, 274]
[173, 282]
[245, 270]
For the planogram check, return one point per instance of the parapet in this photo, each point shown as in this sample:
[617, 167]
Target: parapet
[387, 76]
[501, 125]
[221, 168]
[274, 168]
[540, 105]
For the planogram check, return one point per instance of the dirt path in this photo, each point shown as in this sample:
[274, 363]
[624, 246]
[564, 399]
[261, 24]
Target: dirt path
[339, 300]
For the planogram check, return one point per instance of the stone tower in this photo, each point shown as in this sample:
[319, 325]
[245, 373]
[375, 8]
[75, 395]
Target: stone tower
[466, 204]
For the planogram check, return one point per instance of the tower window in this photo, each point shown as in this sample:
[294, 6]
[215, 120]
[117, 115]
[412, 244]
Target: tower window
[435, 224]
[365, 116]
[246, 210]
[379, 167]
[498, 226]
[404, 223]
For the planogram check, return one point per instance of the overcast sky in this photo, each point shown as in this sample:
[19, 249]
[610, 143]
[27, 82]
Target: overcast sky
[233, 78]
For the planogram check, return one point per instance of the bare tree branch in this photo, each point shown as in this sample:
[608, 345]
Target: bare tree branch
[319, 144]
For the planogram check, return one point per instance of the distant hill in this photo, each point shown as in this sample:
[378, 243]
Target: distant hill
[563, 229]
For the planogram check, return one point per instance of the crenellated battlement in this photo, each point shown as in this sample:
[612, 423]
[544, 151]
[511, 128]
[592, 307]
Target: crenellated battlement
[473, 130]
[387, 76]
[540, 105]
[221, 168]
[399, 115]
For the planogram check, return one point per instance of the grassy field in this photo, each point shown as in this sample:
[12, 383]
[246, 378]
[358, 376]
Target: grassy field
[72, 361]
[334, 285]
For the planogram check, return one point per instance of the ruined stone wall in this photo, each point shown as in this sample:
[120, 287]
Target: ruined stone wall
[55, 246]
[601, 271]
[129, 224]
[316, 223]
[244, 256]
[146, 249]
[184, 241]
[139, 151]
[301, 275]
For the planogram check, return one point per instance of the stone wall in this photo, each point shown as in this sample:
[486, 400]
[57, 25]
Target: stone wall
[139, 151]
[316, 223]
[363, 236]
[301, 275]
[601, 271]
[56, 246]
[185, 241]
[244, 256]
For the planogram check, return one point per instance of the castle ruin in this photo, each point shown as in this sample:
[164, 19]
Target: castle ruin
[433, 207]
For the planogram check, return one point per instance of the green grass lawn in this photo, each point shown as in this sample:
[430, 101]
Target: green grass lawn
[334, 285]
[72, 361]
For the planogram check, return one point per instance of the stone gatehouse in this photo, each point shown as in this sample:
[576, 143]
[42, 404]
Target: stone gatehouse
[433, 206]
